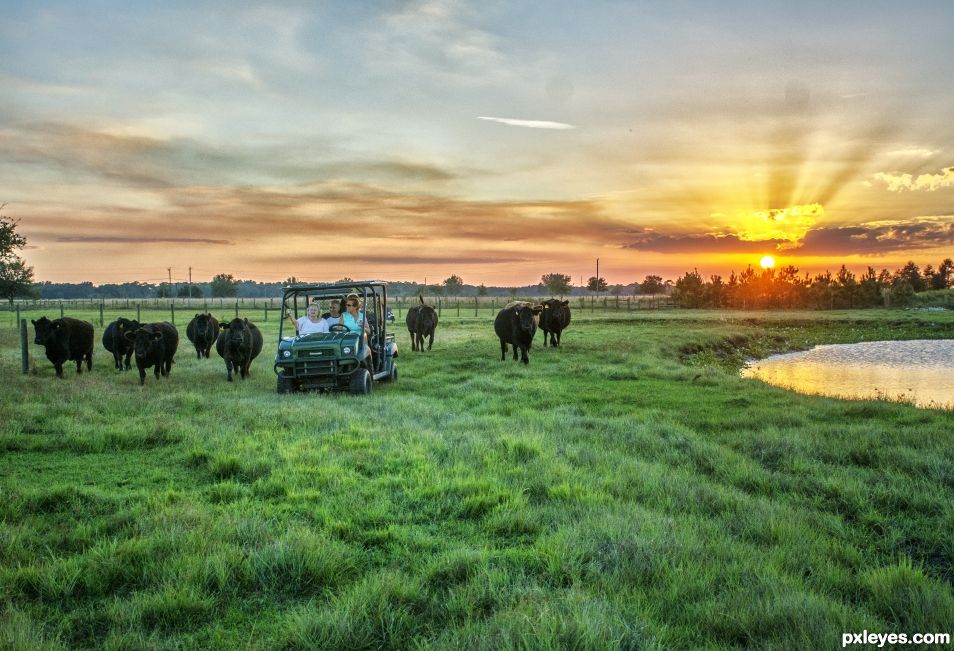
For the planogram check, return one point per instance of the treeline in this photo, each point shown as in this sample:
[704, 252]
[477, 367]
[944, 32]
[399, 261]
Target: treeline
[784, 288]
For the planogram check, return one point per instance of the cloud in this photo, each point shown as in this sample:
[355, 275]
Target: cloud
[691, 243]
[929, 182]
[877, 238]
[108, 239]
[874, 238]
[531, 124]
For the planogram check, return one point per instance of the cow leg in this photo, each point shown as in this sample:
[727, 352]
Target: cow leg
[158, 370]
[544, 338]
[430, 341]
[523, 356]
[79, 365]
[59, 369]
[89, 361]
[142, 374]
[503, 350]
[128, 365]
[228, 369]
[516, 351]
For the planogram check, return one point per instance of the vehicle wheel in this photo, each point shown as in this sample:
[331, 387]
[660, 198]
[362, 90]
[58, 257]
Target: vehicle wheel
[286, 384]
[361, 382]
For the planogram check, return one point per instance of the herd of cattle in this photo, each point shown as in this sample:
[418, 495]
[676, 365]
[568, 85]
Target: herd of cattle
[516, 325]
[239, 341]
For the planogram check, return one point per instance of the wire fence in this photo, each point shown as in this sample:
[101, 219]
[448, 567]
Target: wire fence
[181, 310]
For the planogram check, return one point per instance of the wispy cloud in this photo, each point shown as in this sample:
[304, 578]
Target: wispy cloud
[929, 182]
[531, 124]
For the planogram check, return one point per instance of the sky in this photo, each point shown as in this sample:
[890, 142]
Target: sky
[498, 141]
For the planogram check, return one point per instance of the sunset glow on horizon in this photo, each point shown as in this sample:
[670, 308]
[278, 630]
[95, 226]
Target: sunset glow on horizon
[498, 142]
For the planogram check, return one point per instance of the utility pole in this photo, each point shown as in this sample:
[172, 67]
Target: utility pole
[190, 282]
[597, 276]
[169, 269]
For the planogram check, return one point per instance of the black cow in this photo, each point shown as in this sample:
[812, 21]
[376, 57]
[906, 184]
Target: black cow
[421, 322]
[202, 331]
[114, 341]
[554, 319]
[516, 325]
[65, 339]
[155, 345]
[238, 344]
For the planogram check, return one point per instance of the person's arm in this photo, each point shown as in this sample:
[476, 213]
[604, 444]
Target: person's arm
[293, 322]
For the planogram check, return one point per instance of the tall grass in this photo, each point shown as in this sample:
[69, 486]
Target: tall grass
[627, 490]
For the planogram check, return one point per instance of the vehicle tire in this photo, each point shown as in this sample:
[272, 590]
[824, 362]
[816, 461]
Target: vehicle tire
[286, 384]
[361, 382]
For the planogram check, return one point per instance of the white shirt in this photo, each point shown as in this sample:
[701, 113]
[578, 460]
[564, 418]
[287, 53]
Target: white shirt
[332, 320]
[308, 327]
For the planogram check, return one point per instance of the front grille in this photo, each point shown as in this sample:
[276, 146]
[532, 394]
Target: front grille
[314, 367]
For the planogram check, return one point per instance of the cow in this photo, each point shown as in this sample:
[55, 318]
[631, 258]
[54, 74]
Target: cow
[421, 321]
[554, 319]
[202, 331]
[516, 324]
[115, 342]
[65, 339]
[155, 345]
[238, 344]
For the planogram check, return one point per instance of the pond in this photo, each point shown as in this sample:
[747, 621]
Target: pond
[920, 372]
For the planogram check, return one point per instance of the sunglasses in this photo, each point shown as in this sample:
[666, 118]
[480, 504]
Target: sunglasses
[352, 305]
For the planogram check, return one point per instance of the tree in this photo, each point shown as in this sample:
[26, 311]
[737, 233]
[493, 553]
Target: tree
[556, 284]
[910, 274]
[652, 285]
[689, 290]
[291, 280]
[481, 289]
[941, 279]
[453, 285]
[16, 279]
[597, 285]
[224, 286]
[187, 291]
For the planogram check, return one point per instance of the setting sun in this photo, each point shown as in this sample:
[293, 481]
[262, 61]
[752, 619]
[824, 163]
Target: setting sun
[767, 262]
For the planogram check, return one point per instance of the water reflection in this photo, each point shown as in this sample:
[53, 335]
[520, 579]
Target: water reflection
[920, 371]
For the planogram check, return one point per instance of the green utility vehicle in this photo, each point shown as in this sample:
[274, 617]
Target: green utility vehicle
[338, 359]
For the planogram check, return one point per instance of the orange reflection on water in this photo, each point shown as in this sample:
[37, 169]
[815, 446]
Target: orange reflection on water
[920, 372]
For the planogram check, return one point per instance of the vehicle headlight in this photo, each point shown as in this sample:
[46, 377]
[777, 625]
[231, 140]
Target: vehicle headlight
[346, 350]
[286, 354]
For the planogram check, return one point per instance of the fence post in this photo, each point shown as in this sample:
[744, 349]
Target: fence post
[475, 307]
[172, 309]
[236, 309]
[458, 306]
[24, 351]
[138, 308]
[100, 315]
[18, 315]
[438, 306]
[266, 315]
[61, 309]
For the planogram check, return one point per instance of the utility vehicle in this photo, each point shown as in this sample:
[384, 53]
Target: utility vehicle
[339, 359]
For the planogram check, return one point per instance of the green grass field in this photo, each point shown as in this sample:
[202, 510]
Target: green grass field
[628, 490]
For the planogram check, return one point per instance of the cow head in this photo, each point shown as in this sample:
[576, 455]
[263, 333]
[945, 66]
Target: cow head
[237, 333]
[143, 339]
[552, 309]
[45, 330]
[524, 316]
[426, 317]
[124, 325]
[203, 323]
